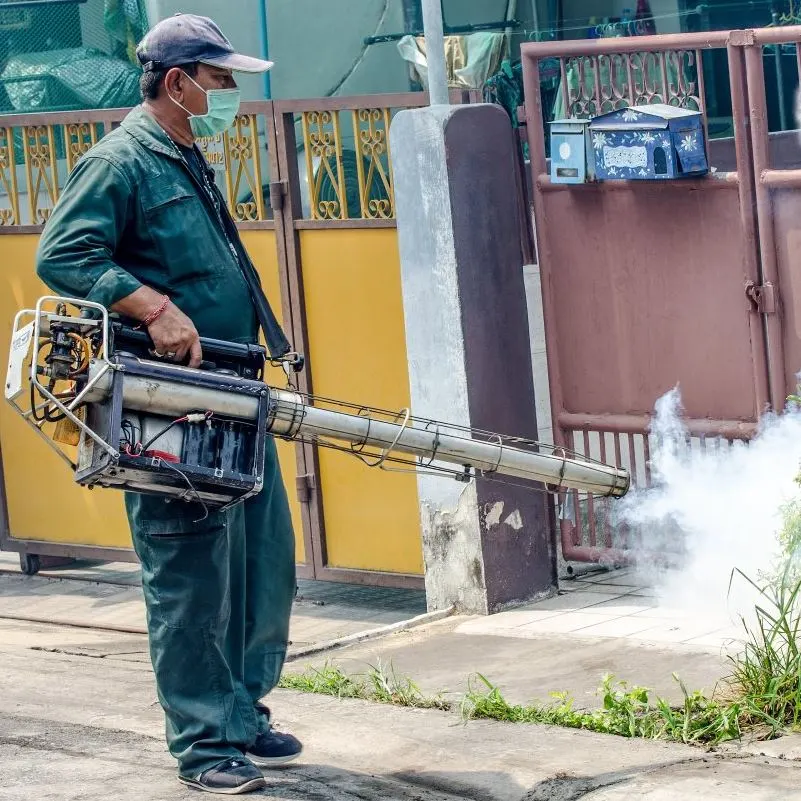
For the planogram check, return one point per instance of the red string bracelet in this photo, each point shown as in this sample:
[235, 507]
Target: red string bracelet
[155, 314]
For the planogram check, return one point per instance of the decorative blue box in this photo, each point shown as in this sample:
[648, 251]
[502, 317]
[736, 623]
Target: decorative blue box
[569, 150]
[648, 142]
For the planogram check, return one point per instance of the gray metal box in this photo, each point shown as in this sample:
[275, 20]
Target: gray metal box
[570, 144]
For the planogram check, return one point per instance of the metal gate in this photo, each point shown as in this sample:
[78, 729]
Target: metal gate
[647, 285]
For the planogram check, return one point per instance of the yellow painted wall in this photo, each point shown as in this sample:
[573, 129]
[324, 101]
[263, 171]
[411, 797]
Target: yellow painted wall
[357, 353]
[44, 502]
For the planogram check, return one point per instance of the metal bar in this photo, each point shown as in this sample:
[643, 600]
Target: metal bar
[257, 193]
[637, 423]
[781, 179]
[788, 34]
[51, 146]
[798, 60]
[632, 457]
[590, 501]
[699, 72]
[536, 139]
[633, 44]
[663, 71]
[620, 557]
[70, 550]
[5, 525]
[630, 73]
[725, 180]
[343, 195]
[387, 123]
[376, 578]
[229, 184]
[283, 146]
[596, 66]
[646, 452]
[113, 116]
[32, 190]
[301, 225]
[33, 3]
[62, 117]
[364, 192]
[777, 61]
[755, 79]
[748, 213]
[21, 229]
[12, 170]
[623, 529]
[603, 505]
[256, 225]
[435, 52]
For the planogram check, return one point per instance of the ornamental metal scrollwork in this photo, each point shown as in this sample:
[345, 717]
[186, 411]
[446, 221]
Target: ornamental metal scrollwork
[322, 142]
[78, 139]
[40, 171]
[243, 169]
[9, 210]
[373, 164]
[593, 85]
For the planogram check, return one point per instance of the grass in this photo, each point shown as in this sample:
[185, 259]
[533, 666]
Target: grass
[627, 712]
[379, 683]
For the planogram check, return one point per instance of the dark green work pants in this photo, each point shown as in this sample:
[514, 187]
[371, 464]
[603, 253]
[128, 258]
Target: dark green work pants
[219, 595]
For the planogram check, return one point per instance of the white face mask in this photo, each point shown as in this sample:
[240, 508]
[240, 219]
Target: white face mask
[222, 106]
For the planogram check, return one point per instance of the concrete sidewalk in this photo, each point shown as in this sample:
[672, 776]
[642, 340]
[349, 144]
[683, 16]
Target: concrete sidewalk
[109, 596]
[80, 720]
[74, 727]
[606, 622]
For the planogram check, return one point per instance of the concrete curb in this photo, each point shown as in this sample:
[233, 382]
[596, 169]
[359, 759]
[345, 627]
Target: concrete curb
[371, 634]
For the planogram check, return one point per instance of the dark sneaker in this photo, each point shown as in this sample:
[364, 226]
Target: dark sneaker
[273, 748]
[232, 777]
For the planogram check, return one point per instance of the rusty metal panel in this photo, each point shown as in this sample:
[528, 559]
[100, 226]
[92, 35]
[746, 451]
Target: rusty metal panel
[648, 291]
[648, 286]
[786, 205]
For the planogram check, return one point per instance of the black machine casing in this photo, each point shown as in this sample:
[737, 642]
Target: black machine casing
[219, 462]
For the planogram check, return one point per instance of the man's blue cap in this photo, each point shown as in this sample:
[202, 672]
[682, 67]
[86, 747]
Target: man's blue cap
[187, 39]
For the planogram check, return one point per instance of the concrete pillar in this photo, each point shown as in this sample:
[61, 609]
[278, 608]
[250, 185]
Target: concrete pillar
[486, 544]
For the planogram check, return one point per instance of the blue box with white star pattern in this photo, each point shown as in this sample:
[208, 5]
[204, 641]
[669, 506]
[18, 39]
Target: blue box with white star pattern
[648, 142]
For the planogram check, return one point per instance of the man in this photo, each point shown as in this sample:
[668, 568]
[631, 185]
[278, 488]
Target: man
[141, 228]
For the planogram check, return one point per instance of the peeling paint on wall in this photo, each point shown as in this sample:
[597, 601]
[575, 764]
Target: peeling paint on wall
[453, 556]
[493, 516]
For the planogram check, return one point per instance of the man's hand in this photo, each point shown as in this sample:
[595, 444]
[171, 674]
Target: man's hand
[172, 331]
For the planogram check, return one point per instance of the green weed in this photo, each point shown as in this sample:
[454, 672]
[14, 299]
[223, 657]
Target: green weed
[628, 712]
[379, 683]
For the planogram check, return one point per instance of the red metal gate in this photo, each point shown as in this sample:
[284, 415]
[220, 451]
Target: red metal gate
[649, 285]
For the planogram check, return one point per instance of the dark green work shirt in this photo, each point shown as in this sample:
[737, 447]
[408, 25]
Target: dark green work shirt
[131, 213]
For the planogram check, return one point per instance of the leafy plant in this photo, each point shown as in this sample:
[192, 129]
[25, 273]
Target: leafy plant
[627, 712]
[380, 684]
[766, 676]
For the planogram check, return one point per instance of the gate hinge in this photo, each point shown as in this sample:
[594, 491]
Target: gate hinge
[277, 195]
[305, 486]
[762, 297]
